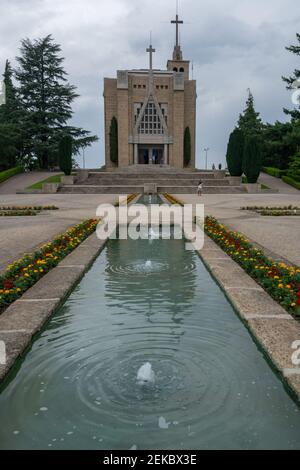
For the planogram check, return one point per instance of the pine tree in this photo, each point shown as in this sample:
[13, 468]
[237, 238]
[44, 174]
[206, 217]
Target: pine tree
[46, 98]
[249, 121]
[235, 151]
[252, 159]
[295, 113]
[187, 149]
[113, 141]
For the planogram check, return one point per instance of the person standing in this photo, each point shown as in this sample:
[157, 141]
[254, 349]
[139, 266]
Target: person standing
[200, 188]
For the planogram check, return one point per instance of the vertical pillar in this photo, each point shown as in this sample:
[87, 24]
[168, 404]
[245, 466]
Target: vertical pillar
[135, 154]
[166, 154]
[150, 155]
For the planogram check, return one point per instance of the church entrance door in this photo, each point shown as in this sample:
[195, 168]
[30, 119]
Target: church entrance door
[150, 155]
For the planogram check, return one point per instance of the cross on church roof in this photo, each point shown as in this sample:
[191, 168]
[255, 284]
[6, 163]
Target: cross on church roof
[150, 50]
[177, 21]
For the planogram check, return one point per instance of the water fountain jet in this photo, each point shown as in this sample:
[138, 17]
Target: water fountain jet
[145, 374]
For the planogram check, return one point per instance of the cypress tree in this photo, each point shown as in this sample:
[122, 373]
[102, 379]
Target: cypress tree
[46, 98]
[113, 141]
[252, 159]
[249, 121]
[235, 150]
[187, 149]
[65, 154]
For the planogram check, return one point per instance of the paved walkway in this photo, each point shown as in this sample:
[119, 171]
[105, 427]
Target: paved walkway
[278, 235]
[22, 181]
[19, 235]
[278, 184]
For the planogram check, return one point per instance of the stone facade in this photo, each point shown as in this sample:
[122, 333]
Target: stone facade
[153, 108]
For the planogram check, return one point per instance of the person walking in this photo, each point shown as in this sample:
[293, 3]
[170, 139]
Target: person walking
[200, 188]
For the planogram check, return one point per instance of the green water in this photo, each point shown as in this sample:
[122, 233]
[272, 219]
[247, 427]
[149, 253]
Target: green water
[77, 387]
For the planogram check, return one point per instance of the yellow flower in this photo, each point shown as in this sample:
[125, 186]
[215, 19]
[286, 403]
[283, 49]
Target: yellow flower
[293, 304]
[280, 286]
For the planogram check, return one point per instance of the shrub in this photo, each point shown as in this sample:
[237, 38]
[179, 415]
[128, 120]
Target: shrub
[276, 172]
[113, 141]
[234, 154]
[65, 154]
[291, 181]
[5, 175]
[252, 159]
[187, 149]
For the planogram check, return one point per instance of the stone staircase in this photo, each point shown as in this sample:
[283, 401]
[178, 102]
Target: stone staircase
[134, 179]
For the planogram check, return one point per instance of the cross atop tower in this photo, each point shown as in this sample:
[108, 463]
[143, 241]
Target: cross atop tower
[177, 54]
[151, 51]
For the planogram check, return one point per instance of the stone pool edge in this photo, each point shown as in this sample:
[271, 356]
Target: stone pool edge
[26, 317]
[272, 328]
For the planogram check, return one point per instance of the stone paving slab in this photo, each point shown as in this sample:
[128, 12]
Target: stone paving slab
[253, 302]
[277, 337]
[15, 344]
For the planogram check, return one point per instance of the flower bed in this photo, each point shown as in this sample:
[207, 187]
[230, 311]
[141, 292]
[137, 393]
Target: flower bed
[22, 213]
[282, 282]
[28, 208]
[25, 272]
[172, 199]
[13, 211]
[274, 211]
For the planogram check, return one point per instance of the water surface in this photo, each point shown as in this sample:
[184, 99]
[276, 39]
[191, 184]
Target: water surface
[77, 387]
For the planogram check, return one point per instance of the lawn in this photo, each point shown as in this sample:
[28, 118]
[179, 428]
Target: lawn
[51, 179]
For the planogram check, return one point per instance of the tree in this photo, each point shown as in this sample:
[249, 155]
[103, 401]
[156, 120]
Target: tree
[46, 98]
[294, 167]
[249, 121]
[10, 117]
[252, 159]
[65, 154]
[235, 151]
[187, 147]
[10, 111]
[295, 113]
[9, 141]
[280, 142]
[113, 141]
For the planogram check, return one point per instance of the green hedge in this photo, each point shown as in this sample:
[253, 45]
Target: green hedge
[5, 175]
[291, 181]
[274, 171]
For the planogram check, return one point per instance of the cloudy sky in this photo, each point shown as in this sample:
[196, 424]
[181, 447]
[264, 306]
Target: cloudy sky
[234, 45]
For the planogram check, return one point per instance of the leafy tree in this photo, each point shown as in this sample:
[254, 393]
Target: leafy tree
[10, 116]
[252, 158]
[187, 147]
[235, 151]
[10, 111]
[295, 113]
[46, 98]
[294, 167]
[278, 145]
[249, 121]
[65, 154]
[113, 141]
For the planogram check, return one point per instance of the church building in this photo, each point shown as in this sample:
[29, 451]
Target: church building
[155, 112]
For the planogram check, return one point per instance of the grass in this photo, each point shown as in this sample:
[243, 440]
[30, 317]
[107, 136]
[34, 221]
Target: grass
[51, 179]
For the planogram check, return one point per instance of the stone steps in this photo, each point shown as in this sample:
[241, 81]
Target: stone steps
[123, 189]
[160, 181]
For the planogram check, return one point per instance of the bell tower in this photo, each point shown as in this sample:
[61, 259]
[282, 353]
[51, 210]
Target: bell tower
[177, 64]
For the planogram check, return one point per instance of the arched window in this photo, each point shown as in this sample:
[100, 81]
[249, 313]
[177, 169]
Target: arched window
[181, 69]
[175, 69]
